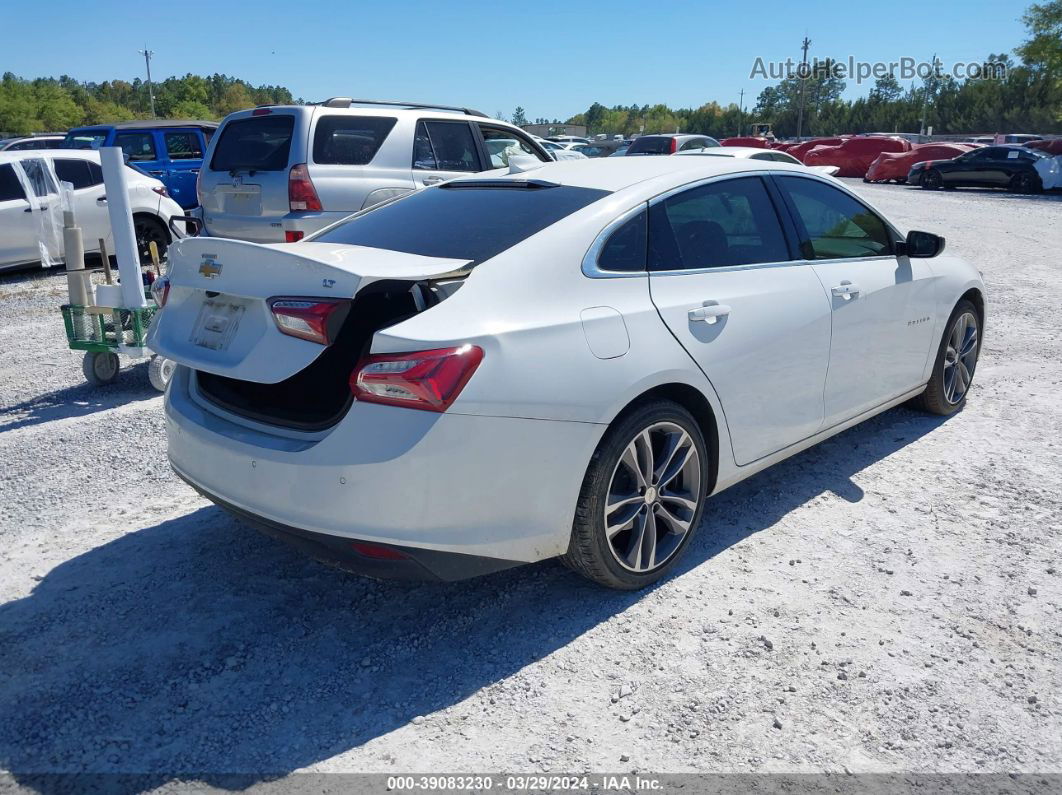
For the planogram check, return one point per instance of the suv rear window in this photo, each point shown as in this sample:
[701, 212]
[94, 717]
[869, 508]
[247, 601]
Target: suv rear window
[651, 145]
[350, 140]
[472, 222]
[258, 143]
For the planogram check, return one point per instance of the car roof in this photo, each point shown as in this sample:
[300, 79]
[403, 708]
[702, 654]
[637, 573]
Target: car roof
[74, 154]
[725, 151]
[147, 124]
[612, 175]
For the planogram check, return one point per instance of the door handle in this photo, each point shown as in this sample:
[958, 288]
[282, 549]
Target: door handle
[709, 313]
[846, 290]
[434, 180]
[101, 200]
[156, 173]
[41, 207]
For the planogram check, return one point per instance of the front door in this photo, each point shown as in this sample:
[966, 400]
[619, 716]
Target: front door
[90, 200]
[882, 305]
[18, 240]
[443, 150]
[754, 320]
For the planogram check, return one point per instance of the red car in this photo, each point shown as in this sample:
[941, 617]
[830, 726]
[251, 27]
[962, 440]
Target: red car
[746, 140]
[895, 165]
[854, 156]
[1052, 147]
[799, 150]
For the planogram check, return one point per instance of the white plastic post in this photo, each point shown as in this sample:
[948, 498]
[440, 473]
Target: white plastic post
[121, 216]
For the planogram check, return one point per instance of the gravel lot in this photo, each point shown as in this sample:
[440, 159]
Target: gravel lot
[887, 601]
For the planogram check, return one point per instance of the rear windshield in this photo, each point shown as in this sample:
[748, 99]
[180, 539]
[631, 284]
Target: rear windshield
[350, 140]
[650, 145]
[258, 143]
[468, 223]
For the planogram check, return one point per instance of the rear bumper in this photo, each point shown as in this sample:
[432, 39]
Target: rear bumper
[405, 563]
[268, 229]
[486, 487]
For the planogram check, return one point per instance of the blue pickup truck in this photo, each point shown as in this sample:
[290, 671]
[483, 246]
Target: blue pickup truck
[171, 151]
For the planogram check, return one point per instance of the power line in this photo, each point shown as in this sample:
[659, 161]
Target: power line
[147, 62]
[803, 75]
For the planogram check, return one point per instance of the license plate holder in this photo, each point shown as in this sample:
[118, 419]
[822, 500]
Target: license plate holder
[217, 323]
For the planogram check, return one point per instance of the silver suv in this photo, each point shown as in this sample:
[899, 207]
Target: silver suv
[281, 172]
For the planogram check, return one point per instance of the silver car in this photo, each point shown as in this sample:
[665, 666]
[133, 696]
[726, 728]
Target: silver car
[281, 172]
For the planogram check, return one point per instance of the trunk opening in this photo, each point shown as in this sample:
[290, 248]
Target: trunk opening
[318, 396]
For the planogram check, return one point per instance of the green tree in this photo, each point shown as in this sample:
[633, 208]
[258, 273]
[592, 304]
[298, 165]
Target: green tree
[519, 119]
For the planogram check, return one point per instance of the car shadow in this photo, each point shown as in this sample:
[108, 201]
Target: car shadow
[196, 648]
[81, 400]
[1053, 195]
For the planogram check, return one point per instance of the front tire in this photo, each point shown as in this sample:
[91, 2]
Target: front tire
[932, 180]
[160, 371]
[956, 362]
[642, 497]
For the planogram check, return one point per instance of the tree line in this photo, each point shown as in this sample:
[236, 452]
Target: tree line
[1028, 99]
[48, 104]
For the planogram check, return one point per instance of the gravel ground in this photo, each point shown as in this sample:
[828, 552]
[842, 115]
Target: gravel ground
[887, 601]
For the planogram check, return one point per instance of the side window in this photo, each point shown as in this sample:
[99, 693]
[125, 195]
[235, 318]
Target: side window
[444, 146]
[350, 140]
[837, 226]
[95, 174]
[75, 172]
[183, 146]
[625, 249]
[693, 143]
[502, 143]
[731, 222]
[39, 176]
[137, 146]
[762, 156]
[10, 187]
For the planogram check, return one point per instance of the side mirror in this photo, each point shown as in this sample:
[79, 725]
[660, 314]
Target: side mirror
[921, 245]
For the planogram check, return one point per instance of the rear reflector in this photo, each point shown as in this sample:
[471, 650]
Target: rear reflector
[426, 380]
[376, 551]
[307, 319]
[301, 193]
[293, 235]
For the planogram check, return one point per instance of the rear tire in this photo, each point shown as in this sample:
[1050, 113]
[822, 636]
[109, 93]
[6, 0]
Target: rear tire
[1025, 183]
[956, 363]
[160, 371]
[147, 230]
[100, 368]
[650, 471]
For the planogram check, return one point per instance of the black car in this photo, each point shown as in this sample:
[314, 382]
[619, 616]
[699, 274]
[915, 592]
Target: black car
[1010, 167]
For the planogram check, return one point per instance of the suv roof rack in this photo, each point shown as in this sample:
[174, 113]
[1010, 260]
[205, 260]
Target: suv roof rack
[346, 102]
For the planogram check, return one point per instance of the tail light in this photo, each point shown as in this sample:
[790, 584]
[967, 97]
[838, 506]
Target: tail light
[293, 235]
[199, 193]
[674, 145]
[427, 380]
[301, 193]
[161, 191]
[308, 319]
[160, 290]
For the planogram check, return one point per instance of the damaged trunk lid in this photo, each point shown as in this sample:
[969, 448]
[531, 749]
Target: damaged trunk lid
[218, 318]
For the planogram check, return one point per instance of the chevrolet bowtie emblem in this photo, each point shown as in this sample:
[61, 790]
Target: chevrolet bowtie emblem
[209, 268]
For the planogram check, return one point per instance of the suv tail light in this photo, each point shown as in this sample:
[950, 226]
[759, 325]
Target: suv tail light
[674, 145]
[427, 380]
[301, 193]
[308, 319]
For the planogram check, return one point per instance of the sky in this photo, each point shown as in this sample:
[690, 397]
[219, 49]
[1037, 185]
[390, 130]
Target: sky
[552, 58]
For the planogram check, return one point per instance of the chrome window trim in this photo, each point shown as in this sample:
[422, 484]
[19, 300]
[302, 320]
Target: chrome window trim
[590, 266]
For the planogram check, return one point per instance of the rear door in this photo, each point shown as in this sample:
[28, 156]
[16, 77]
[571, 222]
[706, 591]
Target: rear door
[442, 150]
[882, 306]
[500, 143]
[90, 201]
[753, 318]
[358, 160]
[18, 241]
[184, 156]
[245, 184]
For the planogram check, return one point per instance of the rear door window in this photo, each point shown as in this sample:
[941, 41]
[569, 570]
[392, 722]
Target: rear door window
[471, 221]
[39, 176]
[625, 250]
[731, 222]
[445, 146]
[10, 187]
[137, 146]
[84, 140]
[183, 146]
[350, 140]
[76, 172]
[650, 145]
[258, 143]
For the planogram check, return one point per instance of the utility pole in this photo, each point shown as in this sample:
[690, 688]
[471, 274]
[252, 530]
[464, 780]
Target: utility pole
[741, 105]
[803, 74]
[930, 81]
[147, 62]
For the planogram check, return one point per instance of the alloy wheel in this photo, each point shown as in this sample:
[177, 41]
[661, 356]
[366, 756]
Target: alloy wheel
[960, 357]
[653, 496]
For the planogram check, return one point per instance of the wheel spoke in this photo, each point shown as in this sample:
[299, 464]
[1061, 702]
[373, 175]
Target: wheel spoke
[685, 502]
[677, 524]
[644, 448]
[614, 529]
[647, 556]
[970, 343]
[964, 377]
[630, 461]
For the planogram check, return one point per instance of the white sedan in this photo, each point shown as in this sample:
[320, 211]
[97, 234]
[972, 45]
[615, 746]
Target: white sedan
[562, 362]
[31, 219]
[755, 153]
